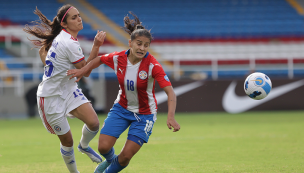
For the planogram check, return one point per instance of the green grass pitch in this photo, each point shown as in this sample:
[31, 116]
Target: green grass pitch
[261, 142]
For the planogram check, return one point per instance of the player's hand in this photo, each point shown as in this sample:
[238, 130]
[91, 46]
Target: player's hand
[99, 38]
[171, 122]
[78, 73]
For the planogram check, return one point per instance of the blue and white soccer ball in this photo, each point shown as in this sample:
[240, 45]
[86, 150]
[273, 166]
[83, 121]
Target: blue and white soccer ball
[257, 86]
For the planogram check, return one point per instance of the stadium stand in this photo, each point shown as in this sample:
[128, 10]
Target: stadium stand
[203, 39]
[232, 37]
[231, 32]
[205, 19]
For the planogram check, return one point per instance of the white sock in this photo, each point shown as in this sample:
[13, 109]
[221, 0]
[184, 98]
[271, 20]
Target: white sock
[68, 156]
[87, 136]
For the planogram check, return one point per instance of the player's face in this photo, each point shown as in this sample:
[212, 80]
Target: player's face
[74, 21]
[139, 46]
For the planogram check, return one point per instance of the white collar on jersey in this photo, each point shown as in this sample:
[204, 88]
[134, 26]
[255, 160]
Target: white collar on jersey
[70, 34]
[127, 52]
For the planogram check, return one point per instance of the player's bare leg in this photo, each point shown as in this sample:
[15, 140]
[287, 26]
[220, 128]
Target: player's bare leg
[106, 149]
[128, 151]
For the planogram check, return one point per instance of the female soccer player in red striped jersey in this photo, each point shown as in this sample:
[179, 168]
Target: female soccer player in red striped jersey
[57, 95]
[135, 106]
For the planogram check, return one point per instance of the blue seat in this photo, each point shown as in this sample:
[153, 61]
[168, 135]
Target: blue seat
[210, 18]
[4, 54]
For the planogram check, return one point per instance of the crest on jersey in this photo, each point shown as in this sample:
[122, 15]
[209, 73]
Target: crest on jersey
[167, 79]
[143, 75]
[80, 50]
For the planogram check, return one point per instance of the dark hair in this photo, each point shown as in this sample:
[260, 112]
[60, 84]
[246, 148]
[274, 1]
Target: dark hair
[45, 30]
[134, 27]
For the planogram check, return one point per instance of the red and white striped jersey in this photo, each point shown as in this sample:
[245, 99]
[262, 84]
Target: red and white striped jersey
[137, 82]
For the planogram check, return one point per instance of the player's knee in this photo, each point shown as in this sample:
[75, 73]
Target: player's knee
[66, 139]
[94, 126]
[67, 142]
[103, 148]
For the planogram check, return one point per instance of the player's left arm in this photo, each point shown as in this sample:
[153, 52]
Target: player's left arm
[159, 74]
[74, 52]
[98, 41]
[171, 122]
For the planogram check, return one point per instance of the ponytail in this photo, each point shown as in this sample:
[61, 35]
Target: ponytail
[45, 30]
[134, 27]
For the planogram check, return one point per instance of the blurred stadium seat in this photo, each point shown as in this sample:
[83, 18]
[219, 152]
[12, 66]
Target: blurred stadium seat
[205, 19]
[173, 19]
[4, 54]
[196, 32]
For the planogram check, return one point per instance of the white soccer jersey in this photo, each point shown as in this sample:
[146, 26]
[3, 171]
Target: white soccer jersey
[64, 52]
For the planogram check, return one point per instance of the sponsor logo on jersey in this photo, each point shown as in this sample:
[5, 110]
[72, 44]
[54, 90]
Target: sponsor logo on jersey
[121, 70]
[167, 79]
[57, 128]
[143, 75]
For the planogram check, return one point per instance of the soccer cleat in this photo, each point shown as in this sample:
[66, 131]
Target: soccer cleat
[102, 167]
[91, 153]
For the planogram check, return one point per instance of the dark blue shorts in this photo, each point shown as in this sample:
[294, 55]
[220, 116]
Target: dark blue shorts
[119, 119]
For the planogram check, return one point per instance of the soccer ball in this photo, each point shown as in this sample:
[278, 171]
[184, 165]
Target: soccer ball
[257, 86]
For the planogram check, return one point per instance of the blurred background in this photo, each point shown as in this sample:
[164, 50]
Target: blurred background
[203, 45]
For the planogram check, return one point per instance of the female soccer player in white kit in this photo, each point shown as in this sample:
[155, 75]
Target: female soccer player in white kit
[135, 107]
[57, 96]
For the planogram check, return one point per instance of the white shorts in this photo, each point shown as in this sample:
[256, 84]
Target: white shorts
[54, 110]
